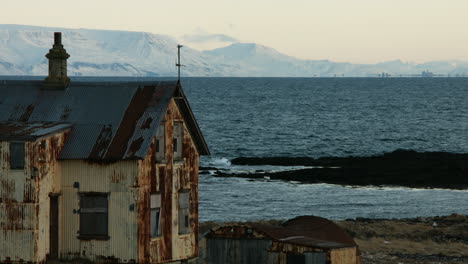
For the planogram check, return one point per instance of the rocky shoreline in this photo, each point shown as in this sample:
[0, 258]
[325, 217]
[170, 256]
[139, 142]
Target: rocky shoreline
[398, 168]
[422, 240]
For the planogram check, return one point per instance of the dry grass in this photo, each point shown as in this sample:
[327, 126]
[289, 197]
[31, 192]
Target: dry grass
[411, 241]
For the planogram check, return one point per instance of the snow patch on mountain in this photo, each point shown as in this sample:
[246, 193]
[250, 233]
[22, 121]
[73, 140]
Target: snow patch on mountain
[125, 53]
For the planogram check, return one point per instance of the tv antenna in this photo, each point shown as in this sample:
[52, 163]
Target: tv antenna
[178, 60]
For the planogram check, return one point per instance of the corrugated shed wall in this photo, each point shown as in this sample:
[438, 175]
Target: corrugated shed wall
[117, 179]
[234, 251]
[24, 200]
[169, 179]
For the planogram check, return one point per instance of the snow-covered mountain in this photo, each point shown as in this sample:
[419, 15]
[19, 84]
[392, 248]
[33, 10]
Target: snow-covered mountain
[124, 53]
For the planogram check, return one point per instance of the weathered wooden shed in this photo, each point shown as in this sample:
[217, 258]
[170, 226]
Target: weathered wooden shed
[302, 240]
[100, 171]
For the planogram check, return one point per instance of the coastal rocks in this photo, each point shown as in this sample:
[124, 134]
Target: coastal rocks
[399, 168]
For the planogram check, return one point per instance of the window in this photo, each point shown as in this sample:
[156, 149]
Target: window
[17, 155]
[155, 215]
[184, 219]
[160, 143]
[295, 259]
[177, 141]
[93, 215]
[316, 257]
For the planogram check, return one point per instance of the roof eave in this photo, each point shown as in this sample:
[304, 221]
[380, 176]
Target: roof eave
[194, 129]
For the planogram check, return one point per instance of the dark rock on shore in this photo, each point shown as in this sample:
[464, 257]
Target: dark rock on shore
[398, 168]
[209, 168]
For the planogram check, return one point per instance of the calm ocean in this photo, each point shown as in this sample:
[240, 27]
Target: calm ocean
[324, 117]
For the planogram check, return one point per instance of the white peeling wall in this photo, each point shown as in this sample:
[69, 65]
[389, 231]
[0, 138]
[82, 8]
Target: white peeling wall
[117, 179]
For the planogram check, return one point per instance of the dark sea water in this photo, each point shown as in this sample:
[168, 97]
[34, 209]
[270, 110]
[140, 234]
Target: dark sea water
[330, 116]
[324, 117]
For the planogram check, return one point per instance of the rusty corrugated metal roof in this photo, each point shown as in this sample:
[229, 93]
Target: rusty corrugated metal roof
[319, 228]
[111, 121]
[304, 237]
[20, 131]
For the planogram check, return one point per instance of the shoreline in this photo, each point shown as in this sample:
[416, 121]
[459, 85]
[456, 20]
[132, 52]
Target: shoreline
[400, 168]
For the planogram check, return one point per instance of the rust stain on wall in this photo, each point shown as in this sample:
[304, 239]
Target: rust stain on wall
[117, 177]
[23, 192]
[183, 176]
[7, 189]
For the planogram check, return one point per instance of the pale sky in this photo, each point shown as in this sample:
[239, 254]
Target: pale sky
[358, 31]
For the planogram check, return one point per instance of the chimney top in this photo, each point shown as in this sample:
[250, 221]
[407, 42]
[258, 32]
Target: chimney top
[57, 38]
[57, 78]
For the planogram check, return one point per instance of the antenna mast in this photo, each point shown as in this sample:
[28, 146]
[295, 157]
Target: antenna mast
[178, 60]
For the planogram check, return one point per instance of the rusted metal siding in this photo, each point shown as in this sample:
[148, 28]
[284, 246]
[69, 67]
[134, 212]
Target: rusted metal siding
[343, 256]
[119, 180]
[292, 248]
[168, 178]
[24, 199]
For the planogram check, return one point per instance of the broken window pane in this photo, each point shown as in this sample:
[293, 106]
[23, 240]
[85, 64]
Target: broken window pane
[155, 222]
[93, 214]
[155, 215]
[17, 155]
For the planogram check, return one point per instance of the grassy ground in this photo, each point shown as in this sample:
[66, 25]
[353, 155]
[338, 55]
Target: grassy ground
[428, 240]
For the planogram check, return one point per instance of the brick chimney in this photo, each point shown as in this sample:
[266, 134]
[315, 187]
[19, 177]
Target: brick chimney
[57, 78]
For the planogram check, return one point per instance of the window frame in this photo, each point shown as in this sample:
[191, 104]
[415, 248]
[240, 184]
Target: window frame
[177, 140]
[184, 212]
[23, 150]
[160, 144]
[96, 211]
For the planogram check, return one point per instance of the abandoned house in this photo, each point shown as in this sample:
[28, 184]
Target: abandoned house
[96, 170]
[302, 240]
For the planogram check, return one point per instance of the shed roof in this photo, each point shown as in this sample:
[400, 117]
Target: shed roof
[302, 237]
[110, 120]
[319, 228]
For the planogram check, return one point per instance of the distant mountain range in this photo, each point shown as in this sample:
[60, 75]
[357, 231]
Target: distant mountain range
[125, 53]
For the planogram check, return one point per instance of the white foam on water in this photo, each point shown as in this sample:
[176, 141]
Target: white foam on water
[218, 162]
